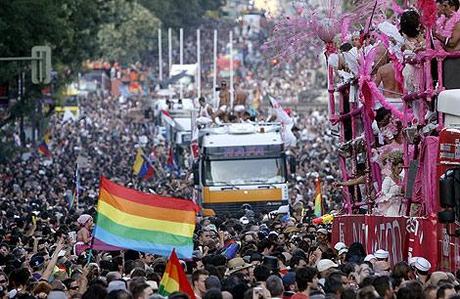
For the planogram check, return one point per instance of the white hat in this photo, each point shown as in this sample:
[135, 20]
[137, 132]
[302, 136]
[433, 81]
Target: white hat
[244, 220]
[412, 261]
[322, 231]
[325, 264]
[369, 258]
[273, 233]
[343, 250]
[339, 245]
[422, 264]
[381, 254]
[282, 210]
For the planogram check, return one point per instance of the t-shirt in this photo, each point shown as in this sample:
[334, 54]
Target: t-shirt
[299, 296]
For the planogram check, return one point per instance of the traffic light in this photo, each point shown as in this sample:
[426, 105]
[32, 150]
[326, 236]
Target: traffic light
[41, 65]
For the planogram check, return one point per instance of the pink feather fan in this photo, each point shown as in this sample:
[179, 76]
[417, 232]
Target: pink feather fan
[314, 26]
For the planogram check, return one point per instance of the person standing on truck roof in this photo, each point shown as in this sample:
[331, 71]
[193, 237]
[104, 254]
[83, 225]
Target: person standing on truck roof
[224, 97]
[240, 101]
[449, 35]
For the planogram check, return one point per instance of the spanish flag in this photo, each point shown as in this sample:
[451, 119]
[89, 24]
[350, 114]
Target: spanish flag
[174, 279]
[318, 199]
[142, 167]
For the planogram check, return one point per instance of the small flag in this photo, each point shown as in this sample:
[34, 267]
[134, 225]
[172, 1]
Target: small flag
[142, 166]
[171, 161]
[194, 148]
[174, 278]
[43, 149]
[76, 192]
[318, 199]
[43, 146]
[167, 118]
[144, 222]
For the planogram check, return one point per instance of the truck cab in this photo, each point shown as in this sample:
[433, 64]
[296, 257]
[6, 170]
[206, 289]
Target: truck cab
[241, 164]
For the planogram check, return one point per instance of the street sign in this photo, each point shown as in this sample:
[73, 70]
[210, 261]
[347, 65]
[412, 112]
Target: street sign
[41, 65]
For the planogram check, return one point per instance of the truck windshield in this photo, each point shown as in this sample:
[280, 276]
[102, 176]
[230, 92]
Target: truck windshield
[249, 171]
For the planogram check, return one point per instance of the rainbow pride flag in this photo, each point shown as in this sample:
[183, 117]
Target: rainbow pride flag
[174, 279]
[144, 222]
[318, 200]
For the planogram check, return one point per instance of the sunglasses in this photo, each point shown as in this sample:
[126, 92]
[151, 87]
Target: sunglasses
[74, 288]
[3, 281]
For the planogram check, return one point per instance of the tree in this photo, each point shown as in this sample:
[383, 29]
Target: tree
[181, 13]
[131, 37]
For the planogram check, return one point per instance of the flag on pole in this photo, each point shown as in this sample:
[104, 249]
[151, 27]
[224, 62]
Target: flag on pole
[318, 200]
[150, 223]
[286, 122]
[171, 164]
[76, 192]
[43, 147]
[44, 150]
[167, 118]
[194, 149]
[142, 166]
[174, 279]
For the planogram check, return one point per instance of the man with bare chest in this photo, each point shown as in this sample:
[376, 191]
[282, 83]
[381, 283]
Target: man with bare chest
[451, 66]
[391, 88]
[240, 101]
[224, 97]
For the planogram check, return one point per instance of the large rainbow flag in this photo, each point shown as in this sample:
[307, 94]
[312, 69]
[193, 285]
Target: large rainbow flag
[174, 278]
[144, 222]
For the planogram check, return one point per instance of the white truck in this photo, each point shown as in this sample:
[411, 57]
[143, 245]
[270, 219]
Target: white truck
[241, 164]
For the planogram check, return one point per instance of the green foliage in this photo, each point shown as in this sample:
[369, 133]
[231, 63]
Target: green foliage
[181, 13]
[130, 37]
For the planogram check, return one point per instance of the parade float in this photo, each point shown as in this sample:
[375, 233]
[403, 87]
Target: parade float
[422, 121]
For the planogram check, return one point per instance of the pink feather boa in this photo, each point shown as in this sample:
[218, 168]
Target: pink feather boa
[445, 26]
[370, 90]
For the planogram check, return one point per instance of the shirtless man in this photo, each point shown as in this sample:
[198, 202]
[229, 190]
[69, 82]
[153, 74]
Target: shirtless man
[391, 89]
[451, 44]
[224, 97]
[240, 101]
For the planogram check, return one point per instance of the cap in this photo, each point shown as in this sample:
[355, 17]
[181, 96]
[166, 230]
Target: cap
[289, 278]
[116, 285]
[381, 254]
[283, 210]
[339, 245]
[244, 220]
[322, 231]
[412, 261]
[325, 264]
[37, 261]
[422, 264]
[273, 233]
[343, 250]
[369, 258]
